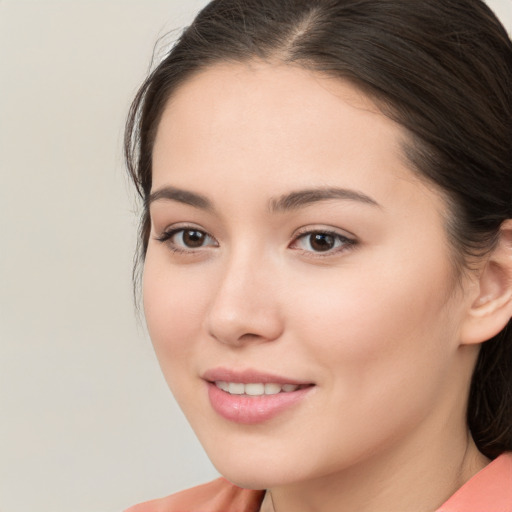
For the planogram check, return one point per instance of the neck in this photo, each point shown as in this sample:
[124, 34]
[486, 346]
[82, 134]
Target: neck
[429, 477]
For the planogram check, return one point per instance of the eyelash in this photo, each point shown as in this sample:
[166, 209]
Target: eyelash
[166, 237]
[344, 243]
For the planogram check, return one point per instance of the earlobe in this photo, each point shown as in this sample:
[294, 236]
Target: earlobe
[491, 309]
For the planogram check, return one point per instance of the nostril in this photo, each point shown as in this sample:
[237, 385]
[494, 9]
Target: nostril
[249, 337]
[238, 340]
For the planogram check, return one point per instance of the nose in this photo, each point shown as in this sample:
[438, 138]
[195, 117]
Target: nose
[245, 306]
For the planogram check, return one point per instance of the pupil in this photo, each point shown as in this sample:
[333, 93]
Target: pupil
[193, 238]
[322, 242]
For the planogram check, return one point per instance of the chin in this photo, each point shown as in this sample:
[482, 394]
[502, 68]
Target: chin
[258, 472]
[243, 472]
[252, 479]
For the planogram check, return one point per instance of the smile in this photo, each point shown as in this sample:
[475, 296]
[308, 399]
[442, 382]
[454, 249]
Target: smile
[256, 389]
[254, 402]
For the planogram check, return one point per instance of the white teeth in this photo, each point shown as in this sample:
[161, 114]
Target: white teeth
[255, 389]
[236, 388]
[272, 389]
[222, 385]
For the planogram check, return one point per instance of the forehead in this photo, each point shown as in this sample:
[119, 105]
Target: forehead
[275, 113]
[237, 92]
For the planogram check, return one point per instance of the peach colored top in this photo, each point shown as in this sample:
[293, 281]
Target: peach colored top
[490, 490]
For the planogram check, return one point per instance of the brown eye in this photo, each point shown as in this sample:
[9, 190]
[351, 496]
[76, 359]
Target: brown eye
[193, 238]
[187, 239]
[321, 242]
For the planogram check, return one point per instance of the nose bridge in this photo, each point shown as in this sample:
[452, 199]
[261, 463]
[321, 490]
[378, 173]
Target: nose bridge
[245, 305]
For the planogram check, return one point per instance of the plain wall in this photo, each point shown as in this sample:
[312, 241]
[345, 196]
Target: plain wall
[86, 421]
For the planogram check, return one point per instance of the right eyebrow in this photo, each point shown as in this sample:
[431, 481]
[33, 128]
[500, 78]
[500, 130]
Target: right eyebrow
[180, 196]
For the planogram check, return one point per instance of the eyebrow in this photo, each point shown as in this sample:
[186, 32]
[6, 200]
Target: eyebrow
[286, 202]
[302, 198]
[181, 196]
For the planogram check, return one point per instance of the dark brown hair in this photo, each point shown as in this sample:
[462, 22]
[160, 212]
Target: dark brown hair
[440, 68]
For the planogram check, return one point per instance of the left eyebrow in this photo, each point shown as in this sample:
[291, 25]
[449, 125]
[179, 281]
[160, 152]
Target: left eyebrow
[302, 198]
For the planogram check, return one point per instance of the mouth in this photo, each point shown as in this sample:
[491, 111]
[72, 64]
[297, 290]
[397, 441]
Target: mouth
[257, 388]
[251, 397]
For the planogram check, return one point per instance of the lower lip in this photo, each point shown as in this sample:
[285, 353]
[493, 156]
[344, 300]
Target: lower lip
[250, 410]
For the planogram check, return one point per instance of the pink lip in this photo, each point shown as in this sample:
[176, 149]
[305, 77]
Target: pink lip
[248, 376]
[250, 410]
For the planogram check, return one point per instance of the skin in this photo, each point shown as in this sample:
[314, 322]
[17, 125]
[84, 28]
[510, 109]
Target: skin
[374, 324]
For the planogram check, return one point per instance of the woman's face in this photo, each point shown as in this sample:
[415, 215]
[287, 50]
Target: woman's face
[298, 286]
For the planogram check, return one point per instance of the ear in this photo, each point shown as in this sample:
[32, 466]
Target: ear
[491, 309]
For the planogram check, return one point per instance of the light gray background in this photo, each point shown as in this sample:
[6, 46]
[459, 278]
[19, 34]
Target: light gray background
[86, 421]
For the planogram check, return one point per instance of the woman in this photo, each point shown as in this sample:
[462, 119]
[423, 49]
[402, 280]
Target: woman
[327, 246]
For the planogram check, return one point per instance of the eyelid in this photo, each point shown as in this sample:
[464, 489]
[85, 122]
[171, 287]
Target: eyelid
[319, 228]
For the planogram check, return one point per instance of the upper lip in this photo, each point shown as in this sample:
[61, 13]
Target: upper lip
[248, 376]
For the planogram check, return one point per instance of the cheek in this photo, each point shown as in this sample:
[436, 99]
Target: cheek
[379, 344]
[174, 309]
[385, 320]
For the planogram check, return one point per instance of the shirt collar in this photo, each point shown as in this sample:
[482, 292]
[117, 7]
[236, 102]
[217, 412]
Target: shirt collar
[490, 490]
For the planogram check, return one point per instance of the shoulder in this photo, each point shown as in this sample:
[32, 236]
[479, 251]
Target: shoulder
[217, 496]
